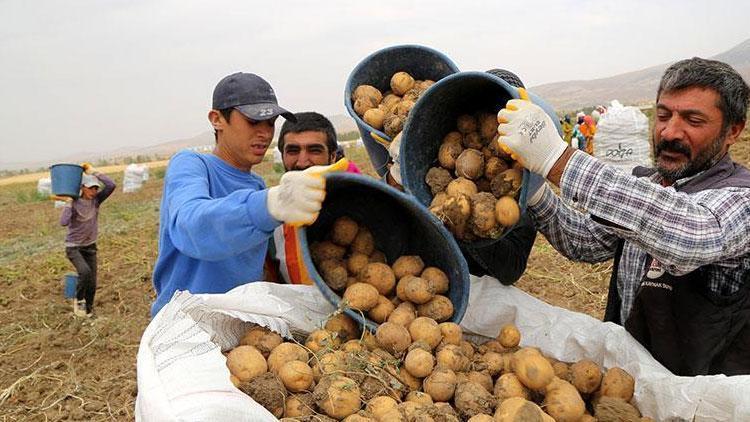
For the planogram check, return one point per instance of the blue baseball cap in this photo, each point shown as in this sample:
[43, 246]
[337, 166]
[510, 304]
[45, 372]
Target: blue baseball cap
[249, 94]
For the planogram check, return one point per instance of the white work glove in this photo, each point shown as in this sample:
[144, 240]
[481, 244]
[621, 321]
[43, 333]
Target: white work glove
[528, 134]
[393, 150]
[300, 194]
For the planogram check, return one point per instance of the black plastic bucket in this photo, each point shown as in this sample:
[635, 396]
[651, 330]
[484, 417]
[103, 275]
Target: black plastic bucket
[400, 226]
[435, 114]
[376, 70]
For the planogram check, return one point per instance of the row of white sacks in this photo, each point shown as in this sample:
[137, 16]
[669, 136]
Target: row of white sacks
[182, 374]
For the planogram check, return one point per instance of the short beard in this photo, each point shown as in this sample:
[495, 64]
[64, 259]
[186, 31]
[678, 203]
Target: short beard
[704, 160]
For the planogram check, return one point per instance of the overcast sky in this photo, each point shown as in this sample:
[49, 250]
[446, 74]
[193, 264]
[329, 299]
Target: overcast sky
[101, 74]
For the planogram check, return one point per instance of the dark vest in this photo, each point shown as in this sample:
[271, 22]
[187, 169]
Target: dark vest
[687, 327]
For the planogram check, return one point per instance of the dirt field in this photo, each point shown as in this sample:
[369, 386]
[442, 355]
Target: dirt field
[57, 367]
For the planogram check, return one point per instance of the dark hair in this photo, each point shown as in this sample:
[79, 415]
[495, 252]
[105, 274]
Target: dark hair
[508, 76]
[733, 91]
[225, 112]
[310, 121]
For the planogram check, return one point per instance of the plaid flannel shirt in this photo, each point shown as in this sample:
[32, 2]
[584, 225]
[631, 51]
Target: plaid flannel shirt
[600, 205]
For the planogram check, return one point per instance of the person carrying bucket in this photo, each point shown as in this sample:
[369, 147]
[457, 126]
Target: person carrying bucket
[216, 214]
[308, 141]
[81, 217]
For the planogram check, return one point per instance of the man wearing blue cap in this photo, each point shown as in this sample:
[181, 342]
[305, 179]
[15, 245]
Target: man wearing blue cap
[217, 215]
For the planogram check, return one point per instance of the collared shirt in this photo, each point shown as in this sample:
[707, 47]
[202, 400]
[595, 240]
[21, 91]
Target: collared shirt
[599, 206]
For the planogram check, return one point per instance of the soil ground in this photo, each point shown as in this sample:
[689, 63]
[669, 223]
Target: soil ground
[56, 367]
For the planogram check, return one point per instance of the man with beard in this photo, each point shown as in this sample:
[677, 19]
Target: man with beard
[217, 215]
[309, 140]
[679, 234]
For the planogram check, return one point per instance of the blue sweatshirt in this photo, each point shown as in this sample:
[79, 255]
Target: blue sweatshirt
[214, 227]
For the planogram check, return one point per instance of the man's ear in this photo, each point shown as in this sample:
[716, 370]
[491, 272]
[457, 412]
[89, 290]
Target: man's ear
[217, 119]
[734, 132]
[332, 158]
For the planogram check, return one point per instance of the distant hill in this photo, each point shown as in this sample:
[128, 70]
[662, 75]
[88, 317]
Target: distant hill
[629, 88]
[342, 123]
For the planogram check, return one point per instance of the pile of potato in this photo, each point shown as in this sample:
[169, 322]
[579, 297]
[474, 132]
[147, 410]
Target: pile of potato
[388, 111]
[475, 185]
[417, 369]
[351, 266]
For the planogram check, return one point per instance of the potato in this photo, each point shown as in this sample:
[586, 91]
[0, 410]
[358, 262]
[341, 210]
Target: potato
[262, 339]
[297, 376]
[322, 340]
[483, 221]
[401, 82]
[408, 265]
[507, 212]
[532, 369]
[449, 152]
[390, 101]
[585, 376]
[494, 166]
[356, 417]
[419, 397]
[268, 391]
[439, 308]
[509, 336]
[508, 385]
[328, 364]
[615, 409]
[361, 296]
[481, 417]
[517, 409]
[437, 279]
[403, 108]
[361, 105]
[562, 370]
[474, 141]
[423, 85]
[404, 377]
[440, 384]
[419, 363]
[369, 92]
[617, 383]
[337, 396]
[374, 117]
[451, 332]
[382, 310]
[380, 276]
[344, 326]
[472, 399]
[427, 330]
[493, 362]
[321, 251]
[363, 242]
[482, 378]
[353, 346]
[299, 405]
[563, 402]
[466, 123]
[437, 179]
[417, 290]
[414, 93]
[246, 363]
[462, 186]
[334, 274]
[369, 340]
[487, 125]
[235, 381]
[470, 164]
[507, 183]
[393, 337]
[381, 406]
[451, 356]
[467, 348]
[409, 409]
[286, 352]
[377, 256]
[404, 314]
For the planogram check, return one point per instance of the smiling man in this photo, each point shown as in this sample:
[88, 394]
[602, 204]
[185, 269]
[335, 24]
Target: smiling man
[216, 215]
[679, 233]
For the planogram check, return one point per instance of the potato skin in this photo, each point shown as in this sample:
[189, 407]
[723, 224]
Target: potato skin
[586, 376]
[617, 383]
[532, 369]
[439, 308]
[361, 296]
[563, 402]
[246, 363]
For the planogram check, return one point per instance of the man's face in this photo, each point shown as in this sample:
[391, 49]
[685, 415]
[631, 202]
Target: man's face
[242, 142]
[305, 149]
[687, 132]
[89, 193]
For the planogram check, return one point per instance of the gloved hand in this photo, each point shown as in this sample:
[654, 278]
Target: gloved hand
[300, 194]
[88, 168]
[528, 134]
